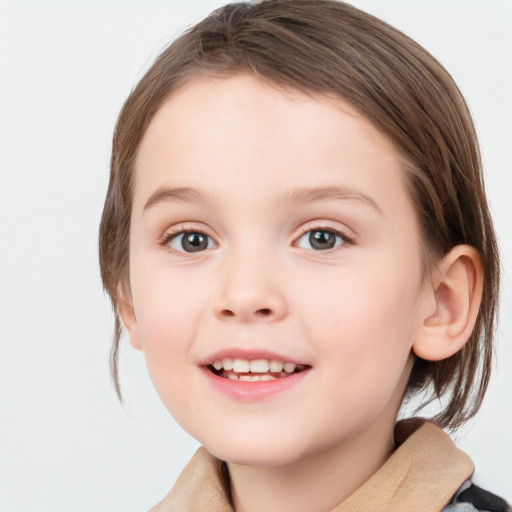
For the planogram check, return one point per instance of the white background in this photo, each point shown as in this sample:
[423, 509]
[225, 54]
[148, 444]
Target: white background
[66, 445]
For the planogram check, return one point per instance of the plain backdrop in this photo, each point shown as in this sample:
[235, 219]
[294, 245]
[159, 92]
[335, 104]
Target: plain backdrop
[66, 444]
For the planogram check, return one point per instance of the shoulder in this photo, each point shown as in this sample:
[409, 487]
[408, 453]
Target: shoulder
[471, 498]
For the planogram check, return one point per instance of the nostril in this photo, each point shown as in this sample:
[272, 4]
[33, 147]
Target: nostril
[245, 314]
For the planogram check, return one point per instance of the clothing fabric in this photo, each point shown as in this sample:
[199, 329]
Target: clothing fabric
[425, 473]
[471, 498]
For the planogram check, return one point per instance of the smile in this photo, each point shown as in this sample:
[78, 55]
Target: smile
[255, 370]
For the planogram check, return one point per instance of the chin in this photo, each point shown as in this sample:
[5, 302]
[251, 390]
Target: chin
[251, 453]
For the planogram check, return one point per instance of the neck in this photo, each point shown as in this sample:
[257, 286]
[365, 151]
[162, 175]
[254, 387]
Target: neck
[317, 482]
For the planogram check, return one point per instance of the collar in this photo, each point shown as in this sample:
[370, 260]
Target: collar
[422, 474]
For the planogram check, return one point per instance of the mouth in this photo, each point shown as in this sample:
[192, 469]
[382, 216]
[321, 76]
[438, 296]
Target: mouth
[255, 370]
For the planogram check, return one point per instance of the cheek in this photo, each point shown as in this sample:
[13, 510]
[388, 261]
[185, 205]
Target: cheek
[164, 300]
[363, 335]
[166, 331]
[167, 312]
[366, 322]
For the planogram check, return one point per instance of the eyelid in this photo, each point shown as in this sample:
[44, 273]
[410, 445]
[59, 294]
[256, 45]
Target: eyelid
[177, 230]
[319, 225]
[325, 225]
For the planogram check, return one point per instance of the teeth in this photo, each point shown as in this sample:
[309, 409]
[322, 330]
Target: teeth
[289, 367]
[257, 366]
[276, 366]
[241, 366]
[255, 378]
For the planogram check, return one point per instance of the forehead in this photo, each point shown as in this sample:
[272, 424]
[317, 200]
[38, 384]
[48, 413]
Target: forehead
[222, 133]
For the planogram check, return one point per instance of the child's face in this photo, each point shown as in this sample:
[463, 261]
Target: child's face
[302, 246]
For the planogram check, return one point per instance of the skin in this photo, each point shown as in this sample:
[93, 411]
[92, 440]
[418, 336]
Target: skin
[353, 313]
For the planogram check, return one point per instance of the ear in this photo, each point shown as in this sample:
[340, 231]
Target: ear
[127, 314]
[456, 290]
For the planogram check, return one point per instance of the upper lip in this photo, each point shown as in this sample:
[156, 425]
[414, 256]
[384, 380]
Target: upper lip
[248, 354]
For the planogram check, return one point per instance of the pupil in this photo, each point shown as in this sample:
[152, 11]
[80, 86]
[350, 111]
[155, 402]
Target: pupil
[193, 242]
[322, 240]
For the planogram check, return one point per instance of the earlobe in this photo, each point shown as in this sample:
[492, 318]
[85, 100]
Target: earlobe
[127, 314]
[456, 286]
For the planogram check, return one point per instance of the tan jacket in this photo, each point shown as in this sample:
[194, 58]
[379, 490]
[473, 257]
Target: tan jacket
[421, 475]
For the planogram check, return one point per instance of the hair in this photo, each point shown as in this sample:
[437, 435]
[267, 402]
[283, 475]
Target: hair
[331, 48]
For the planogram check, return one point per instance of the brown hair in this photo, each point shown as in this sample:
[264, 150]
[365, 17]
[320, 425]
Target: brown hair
[330, 47]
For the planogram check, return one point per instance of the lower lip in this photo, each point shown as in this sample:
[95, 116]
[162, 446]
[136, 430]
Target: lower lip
[252, 391]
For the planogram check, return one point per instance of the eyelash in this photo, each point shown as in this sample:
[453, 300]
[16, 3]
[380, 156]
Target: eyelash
[174, 233]
[327, 229]
[169, 236]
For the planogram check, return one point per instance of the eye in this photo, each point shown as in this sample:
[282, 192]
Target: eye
[321, 240]
[190, 241]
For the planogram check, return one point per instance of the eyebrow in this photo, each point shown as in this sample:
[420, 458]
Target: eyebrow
[181, 194]
[296, 196]
[307, 195]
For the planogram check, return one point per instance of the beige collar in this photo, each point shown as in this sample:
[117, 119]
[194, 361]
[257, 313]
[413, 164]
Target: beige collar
[422, 475]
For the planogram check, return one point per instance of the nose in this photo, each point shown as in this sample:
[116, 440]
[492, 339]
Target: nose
[250, 292]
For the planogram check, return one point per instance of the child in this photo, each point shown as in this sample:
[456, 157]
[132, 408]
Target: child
[296, 235]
